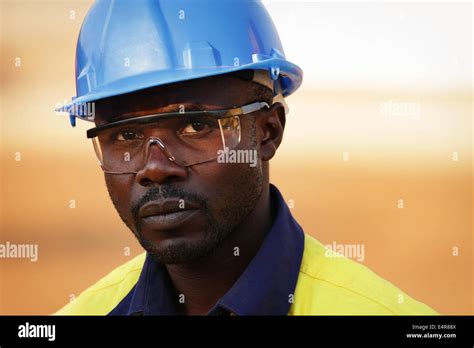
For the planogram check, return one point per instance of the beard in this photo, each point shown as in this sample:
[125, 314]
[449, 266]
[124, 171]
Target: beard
[217, 227]
[179, 251]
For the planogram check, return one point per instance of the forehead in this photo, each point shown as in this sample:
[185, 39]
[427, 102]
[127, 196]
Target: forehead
[217, 92]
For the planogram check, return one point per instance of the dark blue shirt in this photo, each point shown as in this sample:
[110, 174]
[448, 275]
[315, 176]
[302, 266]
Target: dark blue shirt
[264, 288]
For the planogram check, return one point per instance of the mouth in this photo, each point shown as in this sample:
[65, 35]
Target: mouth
[167, 214]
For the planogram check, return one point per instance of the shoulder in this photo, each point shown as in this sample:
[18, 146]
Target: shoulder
[103, 296]
[338, 285]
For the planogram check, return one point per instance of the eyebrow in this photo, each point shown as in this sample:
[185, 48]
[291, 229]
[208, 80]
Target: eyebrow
[185, 107]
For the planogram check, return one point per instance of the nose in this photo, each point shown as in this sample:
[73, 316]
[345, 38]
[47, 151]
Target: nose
[159, 166]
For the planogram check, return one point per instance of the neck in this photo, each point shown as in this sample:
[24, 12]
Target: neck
[203, 283]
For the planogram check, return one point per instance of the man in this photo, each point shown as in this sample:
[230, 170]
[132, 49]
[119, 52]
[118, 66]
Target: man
[188, 103]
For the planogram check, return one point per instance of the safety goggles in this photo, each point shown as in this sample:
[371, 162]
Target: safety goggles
[185, 138]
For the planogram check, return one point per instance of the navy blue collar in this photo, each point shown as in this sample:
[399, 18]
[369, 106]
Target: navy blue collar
[264, 288]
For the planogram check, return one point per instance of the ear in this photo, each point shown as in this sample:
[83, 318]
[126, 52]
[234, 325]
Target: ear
[270, 126]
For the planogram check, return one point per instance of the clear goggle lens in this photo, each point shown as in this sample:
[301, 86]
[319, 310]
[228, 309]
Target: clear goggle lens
[185, 140]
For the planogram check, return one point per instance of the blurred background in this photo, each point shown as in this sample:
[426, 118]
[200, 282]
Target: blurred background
[377, 150]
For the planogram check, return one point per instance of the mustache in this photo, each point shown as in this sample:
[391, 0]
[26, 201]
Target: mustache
[158, 193]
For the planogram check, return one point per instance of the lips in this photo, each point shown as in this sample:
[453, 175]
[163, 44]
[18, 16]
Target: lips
[167, 214]
[165, 207]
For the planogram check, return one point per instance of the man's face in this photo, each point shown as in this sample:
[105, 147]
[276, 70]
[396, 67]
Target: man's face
[193, 208]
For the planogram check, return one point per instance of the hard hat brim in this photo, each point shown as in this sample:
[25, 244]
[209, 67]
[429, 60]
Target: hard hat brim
[289, 74]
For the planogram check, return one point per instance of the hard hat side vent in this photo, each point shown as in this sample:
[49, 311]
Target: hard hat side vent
[200, 54]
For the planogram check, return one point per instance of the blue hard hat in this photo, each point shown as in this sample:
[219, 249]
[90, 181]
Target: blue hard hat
[129, 45]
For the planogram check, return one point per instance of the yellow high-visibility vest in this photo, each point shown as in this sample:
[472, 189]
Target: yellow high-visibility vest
[325, 286]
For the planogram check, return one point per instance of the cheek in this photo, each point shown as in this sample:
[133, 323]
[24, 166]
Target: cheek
[120, 188]
[230, 182]
[225, 185]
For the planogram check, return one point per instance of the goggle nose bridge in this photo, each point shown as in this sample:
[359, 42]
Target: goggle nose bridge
[156, 141]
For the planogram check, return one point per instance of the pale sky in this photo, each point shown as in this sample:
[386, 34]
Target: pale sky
[390, 44]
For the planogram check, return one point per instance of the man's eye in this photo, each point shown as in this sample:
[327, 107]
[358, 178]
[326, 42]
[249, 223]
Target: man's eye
[128, 135]
[195, 127]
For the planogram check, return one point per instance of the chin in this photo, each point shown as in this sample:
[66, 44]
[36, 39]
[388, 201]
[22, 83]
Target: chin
[178, 249]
